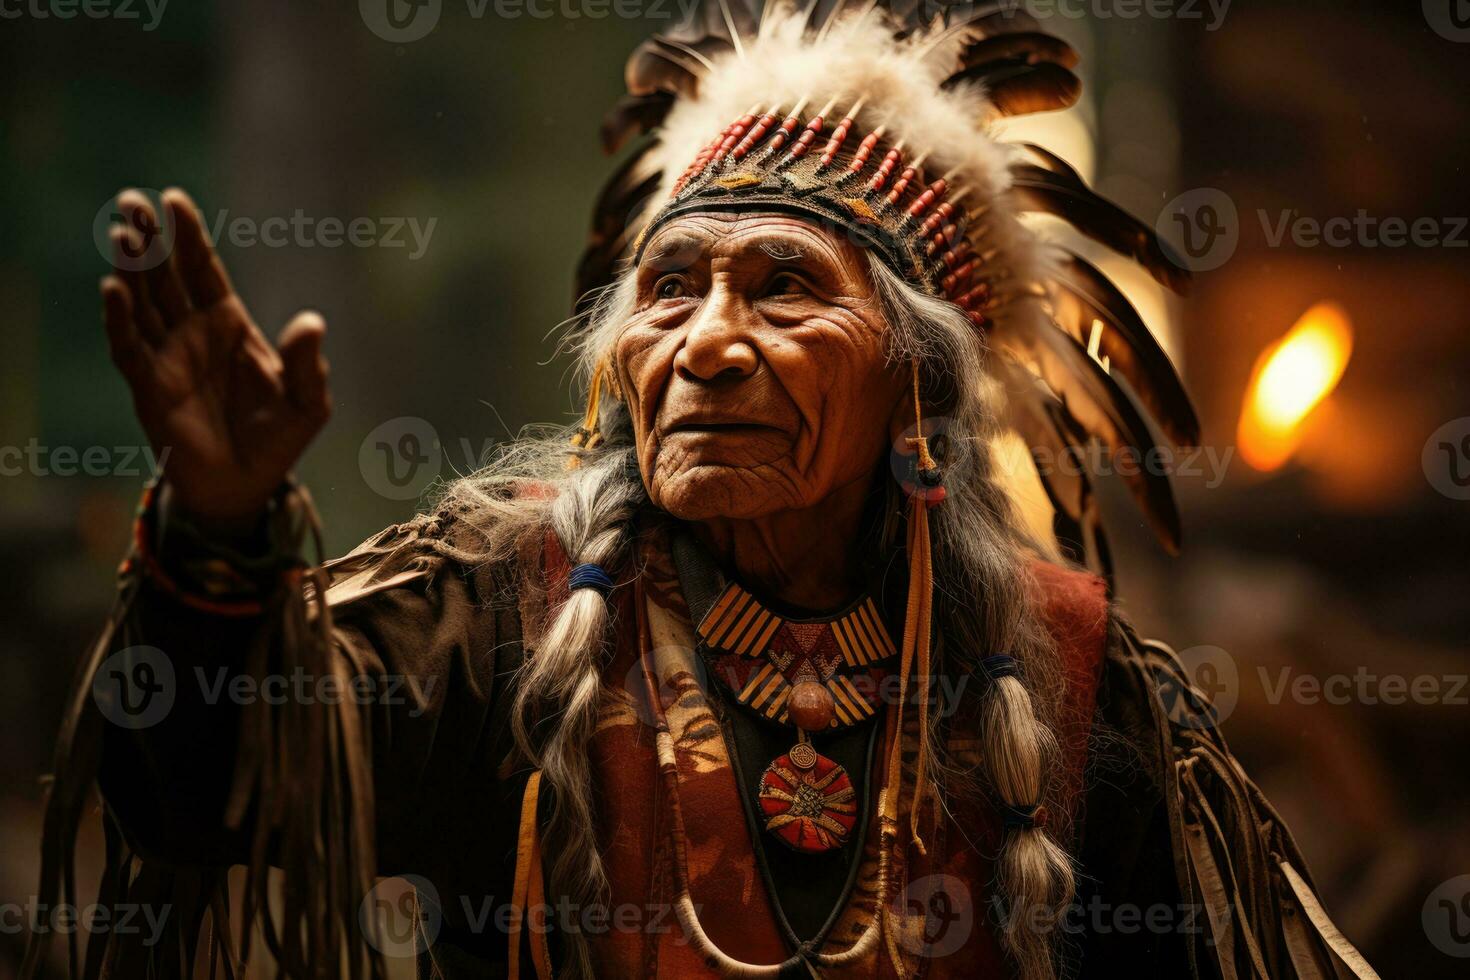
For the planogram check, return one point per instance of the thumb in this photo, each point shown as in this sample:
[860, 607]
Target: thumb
[305, 369]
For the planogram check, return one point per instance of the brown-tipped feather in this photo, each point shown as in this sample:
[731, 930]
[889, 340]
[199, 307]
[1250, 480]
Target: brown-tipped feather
[1021, 89]
[1031, 47]
[1099, 406]
[1082, 294]
[1036, 188]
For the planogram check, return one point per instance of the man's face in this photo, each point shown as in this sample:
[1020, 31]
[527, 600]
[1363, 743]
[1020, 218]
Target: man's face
[754, 366]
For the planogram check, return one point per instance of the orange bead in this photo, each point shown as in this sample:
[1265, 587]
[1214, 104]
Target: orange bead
[810, 706]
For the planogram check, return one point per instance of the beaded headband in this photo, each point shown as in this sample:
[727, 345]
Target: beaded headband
[860, 183]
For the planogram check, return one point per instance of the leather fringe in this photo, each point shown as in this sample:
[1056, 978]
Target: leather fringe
[1234, 856]
[302, 776]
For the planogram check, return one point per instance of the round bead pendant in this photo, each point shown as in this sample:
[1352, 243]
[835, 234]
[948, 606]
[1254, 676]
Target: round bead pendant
[808, 800]
[810, 706]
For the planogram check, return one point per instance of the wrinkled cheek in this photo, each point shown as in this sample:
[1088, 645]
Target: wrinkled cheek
[643, 369]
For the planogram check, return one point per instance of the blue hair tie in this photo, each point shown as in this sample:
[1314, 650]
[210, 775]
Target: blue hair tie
[589, 576]
[1000, 665]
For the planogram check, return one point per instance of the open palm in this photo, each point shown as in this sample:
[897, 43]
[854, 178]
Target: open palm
[233, 412]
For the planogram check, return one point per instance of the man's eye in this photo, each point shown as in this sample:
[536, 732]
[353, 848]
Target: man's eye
[670, 287]
[786, 284]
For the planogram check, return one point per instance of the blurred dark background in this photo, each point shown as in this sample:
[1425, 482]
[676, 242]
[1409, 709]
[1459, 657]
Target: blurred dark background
[1342, 556]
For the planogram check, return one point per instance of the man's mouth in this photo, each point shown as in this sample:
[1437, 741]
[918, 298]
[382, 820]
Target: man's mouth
[719, 428]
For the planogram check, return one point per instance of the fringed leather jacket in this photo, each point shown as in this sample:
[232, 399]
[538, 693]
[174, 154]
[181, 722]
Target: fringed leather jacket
[1184, 869]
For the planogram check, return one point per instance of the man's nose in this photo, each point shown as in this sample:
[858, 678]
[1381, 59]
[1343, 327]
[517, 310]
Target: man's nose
[717, 342]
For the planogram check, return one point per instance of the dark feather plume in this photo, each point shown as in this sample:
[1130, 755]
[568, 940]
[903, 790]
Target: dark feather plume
[1102, 409]
[623, 197]
[1082, 294]
[634, 115]
[1065, 195]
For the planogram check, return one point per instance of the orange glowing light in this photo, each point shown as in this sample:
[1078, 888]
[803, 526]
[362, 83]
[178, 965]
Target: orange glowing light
[1290, 379]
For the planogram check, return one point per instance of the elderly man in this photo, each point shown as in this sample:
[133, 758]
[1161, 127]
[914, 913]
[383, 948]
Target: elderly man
[761, 675]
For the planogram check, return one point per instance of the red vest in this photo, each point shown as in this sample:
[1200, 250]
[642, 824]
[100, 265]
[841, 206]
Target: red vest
[640, 936]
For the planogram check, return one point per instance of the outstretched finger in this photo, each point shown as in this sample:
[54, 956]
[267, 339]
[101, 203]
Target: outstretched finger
[127, 244]
[200, 268]
[124, 342]
[305, 369]
[163, 278]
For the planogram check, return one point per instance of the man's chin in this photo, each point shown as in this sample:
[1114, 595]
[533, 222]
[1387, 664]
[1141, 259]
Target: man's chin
[706, 492]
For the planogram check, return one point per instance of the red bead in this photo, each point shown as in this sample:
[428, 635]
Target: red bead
[901, 185]
[927, 199]
[885, 170]
[783, 134]
[957, 254]
[959, 277]
[756, 134]
[973, 296]
[839, 136]
[732, 136]
[864, 150]
[807, 137]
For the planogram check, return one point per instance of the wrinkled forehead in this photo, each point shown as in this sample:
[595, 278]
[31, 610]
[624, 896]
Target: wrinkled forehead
[758, 238]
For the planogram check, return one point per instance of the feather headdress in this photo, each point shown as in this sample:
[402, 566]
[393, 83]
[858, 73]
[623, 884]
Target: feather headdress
[878, 118]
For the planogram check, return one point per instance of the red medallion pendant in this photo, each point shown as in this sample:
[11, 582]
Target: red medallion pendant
[808, 800]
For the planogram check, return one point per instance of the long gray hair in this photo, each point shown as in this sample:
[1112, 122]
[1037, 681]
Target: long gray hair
[982, 605]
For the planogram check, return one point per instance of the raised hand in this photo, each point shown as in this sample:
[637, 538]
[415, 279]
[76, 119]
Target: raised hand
[233, 412]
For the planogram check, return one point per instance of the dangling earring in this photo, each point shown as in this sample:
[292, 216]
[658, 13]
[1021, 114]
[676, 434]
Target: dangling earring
[928, 492]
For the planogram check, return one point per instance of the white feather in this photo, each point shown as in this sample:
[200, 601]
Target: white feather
[894, 84]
